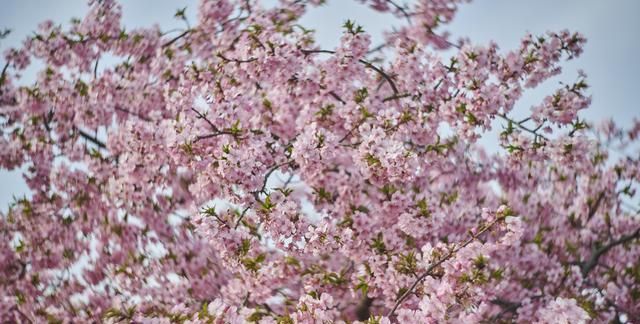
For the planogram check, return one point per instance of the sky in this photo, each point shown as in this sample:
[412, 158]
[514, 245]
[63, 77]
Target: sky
[610, 59]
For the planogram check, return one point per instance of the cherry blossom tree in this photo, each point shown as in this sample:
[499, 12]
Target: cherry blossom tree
[233, 171]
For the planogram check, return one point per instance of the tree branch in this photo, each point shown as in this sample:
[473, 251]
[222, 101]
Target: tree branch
[524, 128]
[593, 208]
[402, 10]
[220, 133]
[366, 63]
[175, 39]
[3, 75]
[268, 174]
[433, 266]
[216, 130]
[241, 217]
[133, 113]
[592, 262]
[507, 307]
[91, 138]
[249, 60]
[336, 97]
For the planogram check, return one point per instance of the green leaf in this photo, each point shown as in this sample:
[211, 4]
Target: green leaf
[267, 205]
[323, 194]
[352, 28]
[388, 190]
[244, 247]
[371, 160]
[362, 285]
[253, 264]
[82, 88]
[360, 95]
[256, 316]
[325, 111]
[480, 262]
[423, 208]
[267, 103]
[378, 244]
[407, 263]
[210, 211]
[180, 13]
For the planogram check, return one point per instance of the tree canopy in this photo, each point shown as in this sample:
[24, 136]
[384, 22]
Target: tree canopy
[234, 171]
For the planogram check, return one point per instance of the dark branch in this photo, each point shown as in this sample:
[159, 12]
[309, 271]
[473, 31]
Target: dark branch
[91, 138]
[335, 96]
[175, 39]
[249, 60]
[593, 208]
[204, 117]
[95, 69]
[216, 130]
[266, 178]
[241, 217]
[383, 74]
[592, 262]
[356, 126]
[133, 113]
[402, 10]
[3, 75]
[507, 307]
[398, 96]
[366, 63]
[436, 264]
[524, 128]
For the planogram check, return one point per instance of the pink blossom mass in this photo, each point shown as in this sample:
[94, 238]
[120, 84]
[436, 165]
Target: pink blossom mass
[234, 171]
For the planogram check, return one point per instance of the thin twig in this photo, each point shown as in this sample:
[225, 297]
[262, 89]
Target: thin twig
[433, 266]
[335, 96]
[204, 117]
[216, 130]
[366, 63]
[175, 39]
[377, 48]
[268, 174]
[133, 113]
[524, 128]
[594, 207]
[398, 96]
[383, 74]
[212, 135]
[95, 69]
[240, 218]
[402, 10]
[249, 60]
[91, 138]
[507, 307]
[344, 138]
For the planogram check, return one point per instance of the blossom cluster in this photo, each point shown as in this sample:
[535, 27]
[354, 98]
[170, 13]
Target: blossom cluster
[234, 171]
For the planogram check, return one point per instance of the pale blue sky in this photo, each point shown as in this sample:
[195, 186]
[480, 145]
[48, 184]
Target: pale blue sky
[611, 57]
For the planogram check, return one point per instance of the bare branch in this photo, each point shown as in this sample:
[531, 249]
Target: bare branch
[133, 113]
[592, 262]
[335, 96]
[95, 69]
[249, 60]
[175, 39]
[402, 10]
[268, 174]
[241, 217]
[593, 208]
[91, 138]
[366, 63]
